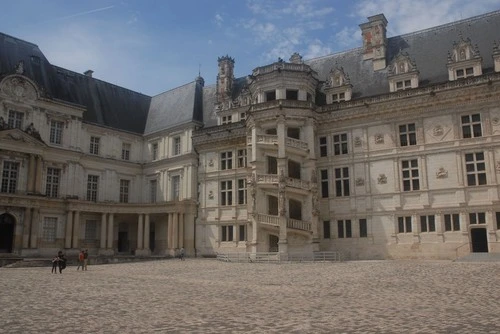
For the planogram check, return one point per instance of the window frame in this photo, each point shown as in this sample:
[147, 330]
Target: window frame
[10, 175]
[124, 191]
[340, 144]
[126, 148]
[176, 149]
[56, 132]
[342, 182]
[94, 145]
[410, 182]
[344, 228]
[475, 169]
[92, 187]
[404, 224]
[15, 119]
[407, 136]
[49, 229]
[226, 160]
[471, 126]
[451, 222]
[427, 223]
[52, 182]
[226, 192]
[242, 191]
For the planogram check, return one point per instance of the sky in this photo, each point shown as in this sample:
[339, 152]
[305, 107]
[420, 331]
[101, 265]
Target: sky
[154, 46]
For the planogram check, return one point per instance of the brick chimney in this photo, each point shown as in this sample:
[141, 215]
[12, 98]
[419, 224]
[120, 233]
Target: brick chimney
[374, 35]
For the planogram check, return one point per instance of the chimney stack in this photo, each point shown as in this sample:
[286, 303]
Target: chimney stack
[374, 34]
[88, 73]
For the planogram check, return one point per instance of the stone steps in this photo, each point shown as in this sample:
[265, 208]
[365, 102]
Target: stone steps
[480, 257]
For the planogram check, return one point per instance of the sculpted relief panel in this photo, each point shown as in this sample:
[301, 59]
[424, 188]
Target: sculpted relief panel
[18, 88]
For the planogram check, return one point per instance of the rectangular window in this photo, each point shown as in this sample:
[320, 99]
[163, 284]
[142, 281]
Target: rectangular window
[154, 151]
[271, 95]
[338, 97]
[340, 144]
[52, 184]
[409, 169]
[292, 94]
[56, 129]
[427, 224]
[342, 182]
[242, 158]
[177, 145]
[9, 177]
[49, 229]
[152, 191]
[90, 230]
[243, 116]
[326, 229]
[242, 191]
[124, 190]
[476, 169]
[323, 147]
[226, 193]
[242, 236]
[226, 120]
[227, 233]
[497, 215]
[94, 145]
[344, 228]
[226, 160]
[176, 187]
[452, 222]
[477, 218]
[471, 126]
[460, 73]
[15, 119]
[404, 224]
[92, 186]
[324, 183]
[126, 151]
[363, 228]
[407, 134]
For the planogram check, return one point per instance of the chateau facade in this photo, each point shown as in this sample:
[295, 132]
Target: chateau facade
[390, 150]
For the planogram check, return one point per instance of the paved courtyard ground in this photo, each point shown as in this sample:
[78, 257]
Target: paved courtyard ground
[206, 296]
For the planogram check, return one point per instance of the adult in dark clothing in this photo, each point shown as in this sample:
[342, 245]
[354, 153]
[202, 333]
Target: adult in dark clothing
[55, 264]
[62, 262]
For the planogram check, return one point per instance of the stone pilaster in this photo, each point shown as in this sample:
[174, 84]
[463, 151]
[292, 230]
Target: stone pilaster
[27, 228]
[69, 229]
[103, 231]
[76, 229]
[110, 238]
[140, 232]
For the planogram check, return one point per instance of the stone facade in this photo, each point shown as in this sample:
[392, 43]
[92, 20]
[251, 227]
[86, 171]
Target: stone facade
[380, 152]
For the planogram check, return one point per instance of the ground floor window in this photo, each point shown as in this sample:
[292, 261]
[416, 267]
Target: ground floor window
[452, 222]
[427, 224]
[227, 233]
[363, 228]
[90, 230]
[242, 234]
[344, 228]
[404, 224]
[477, 218]
[326, 229]
[49, 229]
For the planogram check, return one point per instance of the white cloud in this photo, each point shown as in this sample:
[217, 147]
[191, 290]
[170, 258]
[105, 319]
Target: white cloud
[316, 48]
[348, 37]
[218, 19]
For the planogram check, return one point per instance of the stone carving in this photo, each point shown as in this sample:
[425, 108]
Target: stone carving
[497, 166]
[281, 193]
[3, 124]
[252, 184]
[211, 163]
[495, 121]
[382, 179]
[315, 204]
[19, 88]
[314, 177]
[357, 142]
[210, 194]
[379, 138]
[20, 67]
[360, 182]
[441, 173]
[438, 130]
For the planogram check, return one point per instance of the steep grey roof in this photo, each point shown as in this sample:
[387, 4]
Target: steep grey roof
[209, 100]
[106, 104]
[427, 48]
[175, 107]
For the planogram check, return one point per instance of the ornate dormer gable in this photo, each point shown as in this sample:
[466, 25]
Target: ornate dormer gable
[338, 87]
[496, 56]
[296, 58]
[464, 60]
[403, 73]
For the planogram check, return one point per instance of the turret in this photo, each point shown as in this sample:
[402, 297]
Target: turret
[225, 78]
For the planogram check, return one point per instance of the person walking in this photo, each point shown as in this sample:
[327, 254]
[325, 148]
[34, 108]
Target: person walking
[182, 253]
[80, 260]
[62, 261]
[55, 263]
[85, 259]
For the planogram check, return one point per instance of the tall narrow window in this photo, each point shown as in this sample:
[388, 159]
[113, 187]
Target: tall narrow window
[324, 183]
[15, 119]
[226, 160]
[326, 229]
[124, 190]
[176, 187]
[52, 184]
[409, 169]
[452, 222]
[477, 218]
[272, 165]
[154, 151]
[92, 186]
[427, 224]
[323, 147]
[9, 177]
[152, 191]
[404, 224]
[94, 145]
[125, 151]
[342, 182]
[344, 228]
[242, 191]
[242, 158]
[177, 145]
[227, 233]
[49, 229]
[226, 193]
[471, 126]
[476, 169]
[56, 129]
[90, 231]
[340, 144]
[497, 216]
[242, 234]
[363, 228]
[407, 135]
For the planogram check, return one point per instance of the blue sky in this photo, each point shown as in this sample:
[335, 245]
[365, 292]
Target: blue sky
[153, 46]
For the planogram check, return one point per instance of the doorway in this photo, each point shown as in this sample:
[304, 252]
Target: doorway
[123, 242]
[273, 244]
[479, 240]
[7, 223]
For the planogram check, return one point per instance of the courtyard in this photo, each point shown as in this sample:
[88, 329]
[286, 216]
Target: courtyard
[207, 296]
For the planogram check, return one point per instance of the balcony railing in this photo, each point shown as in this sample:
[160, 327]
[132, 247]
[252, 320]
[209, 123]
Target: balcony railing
[291, 142]
[298, 183]
[267, 178]
[268, 219]
[298, 224]
[290, 223]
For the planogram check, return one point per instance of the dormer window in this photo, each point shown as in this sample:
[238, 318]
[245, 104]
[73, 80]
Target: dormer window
[339, 97]
[464, 60]
[401, 85]
[338, 87]
[226, 119]
[403, 73]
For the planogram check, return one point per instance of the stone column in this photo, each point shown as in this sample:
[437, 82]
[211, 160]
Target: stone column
[27, 228]
[31, 174]
[76, 229]
[175, 232]
[169, 231]
[38, 182]
[103, 231]
[110, 231]
[181, 230]
[69, 229]
[35, 222]
[146, 231]
[140, 232]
